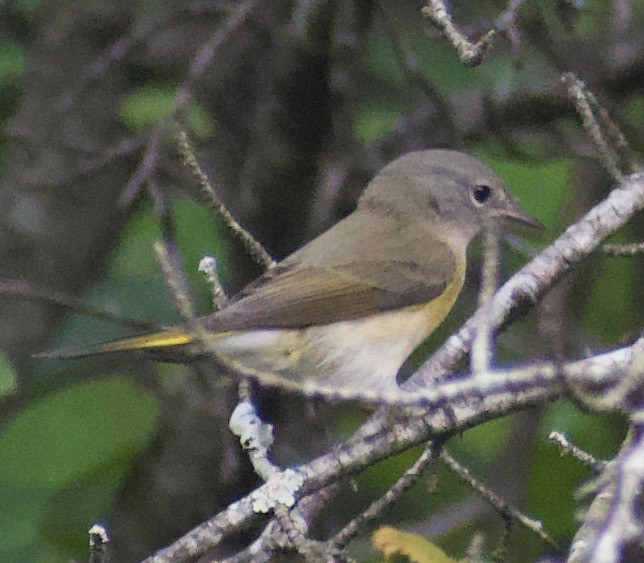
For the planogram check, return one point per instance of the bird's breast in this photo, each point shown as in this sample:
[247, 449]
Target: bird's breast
[361, 353]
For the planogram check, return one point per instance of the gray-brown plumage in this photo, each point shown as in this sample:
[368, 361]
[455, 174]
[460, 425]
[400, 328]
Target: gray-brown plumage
[349, 307]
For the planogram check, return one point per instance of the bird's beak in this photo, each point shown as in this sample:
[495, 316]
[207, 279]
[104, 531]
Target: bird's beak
[524, 218]
[512, 211]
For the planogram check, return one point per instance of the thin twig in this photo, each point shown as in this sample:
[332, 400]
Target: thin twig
[174, 279]
[197, 67]
[254, 248]
[623, 249]
[482, 352]
[408, 62]
[495, 500]
[471, 54]
[585, 102]
[208, 265]
[144, 170]
[255, 435]
[99, 544]
[115, 52]
[568, 448]
[349, 532]
[612, 528]
[172, 272]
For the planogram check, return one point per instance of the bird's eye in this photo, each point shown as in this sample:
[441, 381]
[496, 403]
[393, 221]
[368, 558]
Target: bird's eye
[480, 193]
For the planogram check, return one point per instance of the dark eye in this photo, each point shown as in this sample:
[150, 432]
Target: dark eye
[481, 193]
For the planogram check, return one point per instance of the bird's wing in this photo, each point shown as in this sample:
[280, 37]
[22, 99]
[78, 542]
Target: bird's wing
[301, 297]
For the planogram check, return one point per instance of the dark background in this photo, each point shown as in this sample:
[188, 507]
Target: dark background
[298, 108]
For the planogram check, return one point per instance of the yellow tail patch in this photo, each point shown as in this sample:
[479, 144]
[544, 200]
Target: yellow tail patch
[147, 341]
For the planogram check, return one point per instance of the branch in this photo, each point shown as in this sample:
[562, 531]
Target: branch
[602, 130]
[348, 533]
[568, 448]
[613, 528]
[503, 508]
[632, 249]
[199, 64]
[26, 290]
[482, 351]
[362, 451]
[471, 54]
[99, 544]
[253, 247]
[208, 266]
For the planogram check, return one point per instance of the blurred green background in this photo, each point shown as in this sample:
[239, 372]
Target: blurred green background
[73, 434]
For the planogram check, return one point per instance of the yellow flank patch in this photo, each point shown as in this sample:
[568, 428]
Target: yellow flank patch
[156, 340]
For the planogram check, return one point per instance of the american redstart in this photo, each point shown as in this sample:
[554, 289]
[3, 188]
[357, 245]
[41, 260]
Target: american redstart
[349, 307]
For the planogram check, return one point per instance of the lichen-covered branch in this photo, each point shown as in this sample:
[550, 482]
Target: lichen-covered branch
[361, 451]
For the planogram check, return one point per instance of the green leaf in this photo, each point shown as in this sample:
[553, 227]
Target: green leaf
[484, 442]
[198, 233]
[133, 256]
[8, 381]
[201, 232]
[27, 5]
[72, 510]
[12, 63]
[610, 312]
[22, 509]
[374, 122]
[69, 433]
[147, 106]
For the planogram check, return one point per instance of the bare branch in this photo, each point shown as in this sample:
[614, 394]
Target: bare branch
[568, 448]
[613, 528]
[254, 248]
[368, 447]
[99, 540]
[199, 64]
[26, 290]
[483, 342]
[471, 54]
[623, 249]
[208, 265]
[606, 135]
[409, 478]
[495, 500]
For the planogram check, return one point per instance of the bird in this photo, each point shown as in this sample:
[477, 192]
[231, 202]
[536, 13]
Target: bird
[349, 307]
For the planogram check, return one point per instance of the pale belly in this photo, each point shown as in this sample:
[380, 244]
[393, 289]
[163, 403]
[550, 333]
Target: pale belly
[359, 354]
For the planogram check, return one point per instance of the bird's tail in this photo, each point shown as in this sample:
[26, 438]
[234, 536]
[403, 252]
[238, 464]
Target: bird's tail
[152, 341]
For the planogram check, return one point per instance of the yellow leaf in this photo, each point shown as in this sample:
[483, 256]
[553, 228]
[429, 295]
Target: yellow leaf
[393, 542]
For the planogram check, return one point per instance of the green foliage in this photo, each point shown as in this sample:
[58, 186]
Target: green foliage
[67, 452]
[148, 105]
[609, 311]
[12, 63]
[197, 234]
[439, 62]
[28, 5]
[73, 444]
[7, 378]
[553, 477]
[374, 122]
